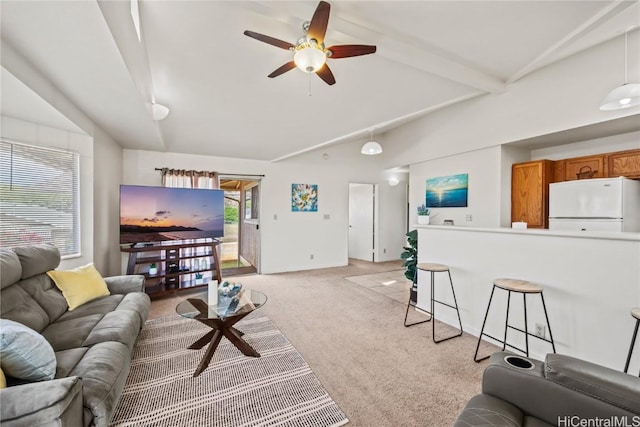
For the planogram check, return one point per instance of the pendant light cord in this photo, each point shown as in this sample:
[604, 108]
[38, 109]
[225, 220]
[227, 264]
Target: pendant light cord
[625, 56]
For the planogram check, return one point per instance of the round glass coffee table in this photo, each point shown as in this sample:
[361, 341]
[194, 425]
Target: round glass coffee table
[221, 317]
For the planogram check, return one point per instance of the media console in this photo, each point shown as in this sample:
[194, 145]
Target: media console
[180, 264]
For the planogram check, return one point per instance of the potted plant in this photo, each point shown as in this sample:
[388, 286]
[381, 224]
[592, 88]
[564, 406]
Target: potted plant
[153, 270]
[423, 214]
[410, 257]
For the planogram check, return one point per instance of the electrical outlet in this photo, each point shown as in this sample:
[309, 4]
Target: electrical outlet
[541, 331]
[311, 257]
[384, 250]
[468, 218]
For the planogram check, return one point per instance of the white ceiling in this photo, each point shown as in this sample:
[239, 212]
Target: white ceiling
[194, 58]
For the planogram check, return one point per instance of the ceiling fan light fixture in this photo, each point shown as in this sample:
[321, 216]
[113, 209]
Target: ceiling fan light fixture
[159, 111]
[309, 58]
[625, 96]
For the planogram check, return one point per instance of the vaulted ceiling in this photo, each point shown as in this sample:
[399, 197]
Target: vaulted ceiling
[193, 57]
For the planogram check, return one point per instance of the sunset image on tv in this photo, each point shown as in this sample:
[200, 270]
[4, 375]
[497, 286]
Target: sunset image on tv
[152, 214]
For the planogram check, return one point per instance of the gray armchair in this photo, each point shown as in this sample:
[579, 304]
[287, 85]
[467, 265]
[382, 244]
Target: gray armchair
[562, 391]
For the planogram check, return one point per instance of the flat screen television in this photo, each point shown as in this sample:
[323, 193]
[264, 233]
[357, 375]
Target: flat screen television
[155, 214]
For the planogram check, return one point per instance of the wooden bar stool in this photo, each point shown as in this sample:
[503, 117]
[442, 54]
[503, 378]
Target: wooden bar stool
[635, 312]
[523, 287]
[434, 268]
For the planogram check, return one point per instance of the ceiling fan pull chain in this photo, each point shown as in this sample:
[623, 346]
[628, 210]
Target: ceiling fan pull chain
[309, 93]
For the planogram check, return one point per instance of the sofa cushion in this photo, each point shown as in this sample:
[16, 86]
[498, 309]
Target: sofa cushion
[24, 353]
[120, 326]
[137, 302]
[16, 304]
[37, 259]
[63, 335]
[67, 360]
[104, 369]
[98, 306]
[44, 292]
[10, 267]
[79, 285]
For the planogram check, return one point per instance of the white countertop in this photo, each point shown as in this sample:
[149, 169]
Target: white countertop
[634, 237]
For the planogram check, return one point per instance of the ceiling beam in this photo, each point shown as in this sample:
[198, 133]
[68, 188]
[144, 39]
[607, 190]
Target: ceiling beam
[610, 10]
[380, 127]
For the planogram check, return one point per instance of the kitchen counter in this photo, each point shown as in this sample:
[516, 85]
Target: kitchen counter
[541, 232]
[591, 281]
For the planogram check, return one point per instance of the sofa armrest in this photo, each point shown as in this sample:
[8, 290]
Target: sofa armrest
[55, 402]
[602, 383]
[537, 396]
[125, 284]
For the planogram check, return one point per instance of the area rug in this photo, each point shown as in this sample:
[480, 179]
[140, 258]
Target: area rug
[276, 389]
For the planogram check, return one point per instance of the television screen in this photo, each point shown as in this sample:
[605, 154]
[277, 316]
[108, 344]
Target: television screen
[153, 214]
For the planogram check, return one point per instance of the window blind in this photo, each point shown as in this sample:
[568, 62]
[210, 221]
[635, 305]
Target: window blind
[39, 197]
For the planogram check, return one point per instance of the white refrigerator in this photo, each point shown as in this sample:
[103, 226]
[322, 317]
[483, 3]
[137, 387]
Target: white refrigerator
[600, 204]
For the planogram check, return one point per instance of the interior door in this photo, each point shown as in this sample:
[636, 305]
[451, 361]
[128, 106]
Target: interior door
[361, 221]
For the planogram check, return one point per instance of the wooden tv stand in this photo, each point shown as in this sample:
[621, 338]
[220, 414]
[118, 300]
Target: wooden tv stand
[179, 263]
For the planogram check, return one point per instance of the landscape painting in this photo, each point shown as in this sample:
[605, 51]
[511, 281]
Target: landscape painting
[447, 191]
[152, 214]
[304, 198]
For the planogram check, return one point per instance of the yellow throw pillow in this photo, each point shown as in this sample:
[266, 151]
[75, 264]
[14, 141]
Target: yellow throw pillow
[79, 285]
[3, 380]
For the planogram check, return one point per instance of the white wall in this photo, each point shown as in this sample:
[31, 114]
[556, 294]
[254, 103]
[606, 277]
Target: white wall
[625, 141]
[392, 222]
[288, 242]
[106, 204]
[590, 286]
[36, 134]
[484, 196]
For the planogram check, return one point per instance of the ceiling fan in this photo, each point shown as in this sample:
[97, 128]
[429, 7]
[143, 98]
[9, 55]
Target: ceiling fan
[310, 54]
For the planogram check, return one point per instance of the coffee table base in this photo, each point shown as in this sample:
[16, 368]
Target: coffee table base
[220, 328]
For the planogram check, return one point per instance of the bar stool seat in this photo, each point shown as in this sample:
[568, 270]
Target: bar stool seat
[433, 268]
[525, 288]
[429, 266]
[635, 313]
[516, 285]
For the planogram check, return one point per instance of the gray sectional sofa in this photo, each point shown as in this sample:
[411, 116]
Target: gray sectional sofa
[561, 391]
[92, 343]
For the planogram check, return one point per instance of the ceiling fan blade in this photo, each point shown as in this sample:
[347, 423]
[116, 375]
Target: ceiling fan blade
[269, 40]
[349, 50]
[286, 67]
[325, 74]
[319, 22]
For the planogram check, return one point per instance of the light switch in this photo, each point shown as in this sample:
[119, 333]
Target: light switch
[327, 216]
[275, 217]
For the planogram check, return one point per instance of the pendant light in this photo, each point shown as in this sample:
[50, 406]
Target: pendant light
[371, 148]
[625, 96]
[159, 111]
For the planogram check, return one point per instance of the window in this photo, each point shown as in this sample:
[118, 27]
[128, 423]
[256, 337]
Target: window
[251, 203]
[39, 197]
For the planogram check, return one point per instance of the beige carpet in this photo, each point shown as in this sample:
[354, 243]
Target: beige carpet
[377, 371]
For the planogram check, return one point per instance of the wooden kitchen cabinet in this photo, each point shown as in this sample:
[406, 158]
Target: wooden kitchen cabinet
[623, 163]
[576, 164]
[530, 192]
